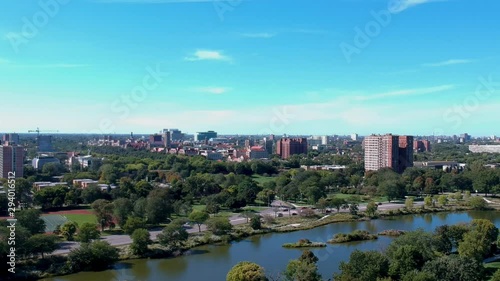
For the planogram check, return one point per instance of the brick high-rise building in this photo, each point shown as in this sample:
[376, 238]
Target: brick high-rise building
[388, 151]
[11, 160]
[405, 157]
[286, 147]
[421, 146]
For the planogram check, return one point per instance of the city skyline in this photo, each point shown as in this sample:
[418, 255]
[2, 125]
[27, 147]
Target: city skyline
[289, 72]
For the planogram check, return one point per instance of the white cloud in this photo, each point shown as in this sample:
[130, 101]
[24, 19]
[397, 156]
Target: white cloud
[448, 62]
[406, 92]
[258, 35]
[214, 90]
[397, 6]
[208, 55]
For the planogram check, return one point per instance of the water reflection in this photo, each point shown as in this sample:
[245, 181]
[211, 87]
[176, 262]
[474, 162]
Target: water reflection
[213, 262]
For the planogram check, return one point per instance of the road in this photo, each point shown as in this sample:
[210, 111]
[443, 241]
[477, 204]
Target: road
[119, 240]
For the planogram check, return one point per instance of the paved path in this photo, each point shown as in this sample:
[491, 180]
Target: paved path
[119, 240]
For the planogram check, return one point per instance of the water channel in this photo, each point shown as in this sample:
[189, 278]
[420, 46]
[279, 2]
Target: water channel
[213, 262]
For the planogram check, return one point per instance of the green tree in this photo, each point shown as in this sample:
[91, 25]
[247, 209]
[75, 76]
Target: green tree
[122, 209]
[322, 204]
[140, 241]
[392, 189]
[255, 223]
[428, 201]
[132, 224]
[363, 266]
[42, 244]
[419, 239]
[477, 243]
[88, 232]
[496, 276]
[219, 225]
[68, 230]
[31, 220]
[199, 217]
[353, 209]
[337, 203]
[95, 256]
[371, 208]
[477, 203]
[159, 206]
[173, 236]
[91, 194]
[419, 276]
[303, 269]
[405, 259]
[454, 268]
[246, 271]
[103, 210]
[443, 200]
[409, 203]
[50, 197]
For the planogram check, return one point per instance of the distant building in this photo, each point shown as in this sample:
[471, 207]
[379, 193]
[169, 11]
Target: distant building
[257, 152]
[354, 137]
[43, 184]
[388, 151]
[159, 141]
[324, 140]
[11, 138]
[465, 138]
[287, 147]
[45, 144]
[83, 161]
[84, 183]
[484, 148]
[269, 145]
[175, 134]
[40, 161]
[421, 146]
[205, 136]
[11, 160]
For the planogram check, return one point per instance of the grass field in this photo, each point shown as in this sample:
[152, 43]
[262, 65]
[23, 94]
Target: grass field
[81, 218]
[262, 180]
[346, 196]
[52, 221]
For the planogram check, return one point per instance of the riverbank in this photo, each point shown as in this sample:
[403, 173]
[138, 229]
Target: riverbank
[240, 232]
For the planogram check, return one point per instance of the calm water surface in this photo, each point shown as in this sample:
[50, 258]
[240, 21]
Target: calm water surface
[213, 262]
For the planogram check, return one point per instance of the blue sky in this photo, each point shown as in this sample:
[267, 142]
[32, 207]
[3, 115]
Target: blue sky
[259, 66]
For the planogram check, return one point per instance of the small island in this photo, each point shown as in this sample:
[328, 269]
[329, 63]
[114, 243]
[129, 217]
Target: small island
[304, 243]
[357, 235]
[392, 233]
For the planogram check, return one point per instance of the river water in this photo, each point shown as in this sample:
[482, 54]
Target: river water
[213, 262]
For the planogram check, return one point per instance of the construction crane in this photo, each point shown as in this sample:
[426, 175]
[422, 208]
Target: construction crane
[37, 131]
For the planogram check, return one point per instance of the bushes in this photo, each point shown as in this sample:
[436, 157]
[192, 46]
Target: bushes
[98, 255]
[357, 235]
[304, 243]
[392, 233]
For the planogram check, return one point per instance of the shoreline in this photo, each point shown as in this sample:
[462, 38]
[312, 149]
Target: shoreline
[283, 225]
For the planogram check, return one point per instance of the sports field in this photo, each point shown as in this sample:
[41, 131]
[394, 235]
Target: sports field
[53, 219]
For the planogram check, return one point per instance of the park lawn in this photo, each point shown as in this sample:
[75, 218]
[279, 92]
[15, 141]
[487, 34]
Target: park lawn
[199, 207]
[492, 266]
[346, 196]
[495, 265]
[80, 219]
[255, 208]
[261, 180]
